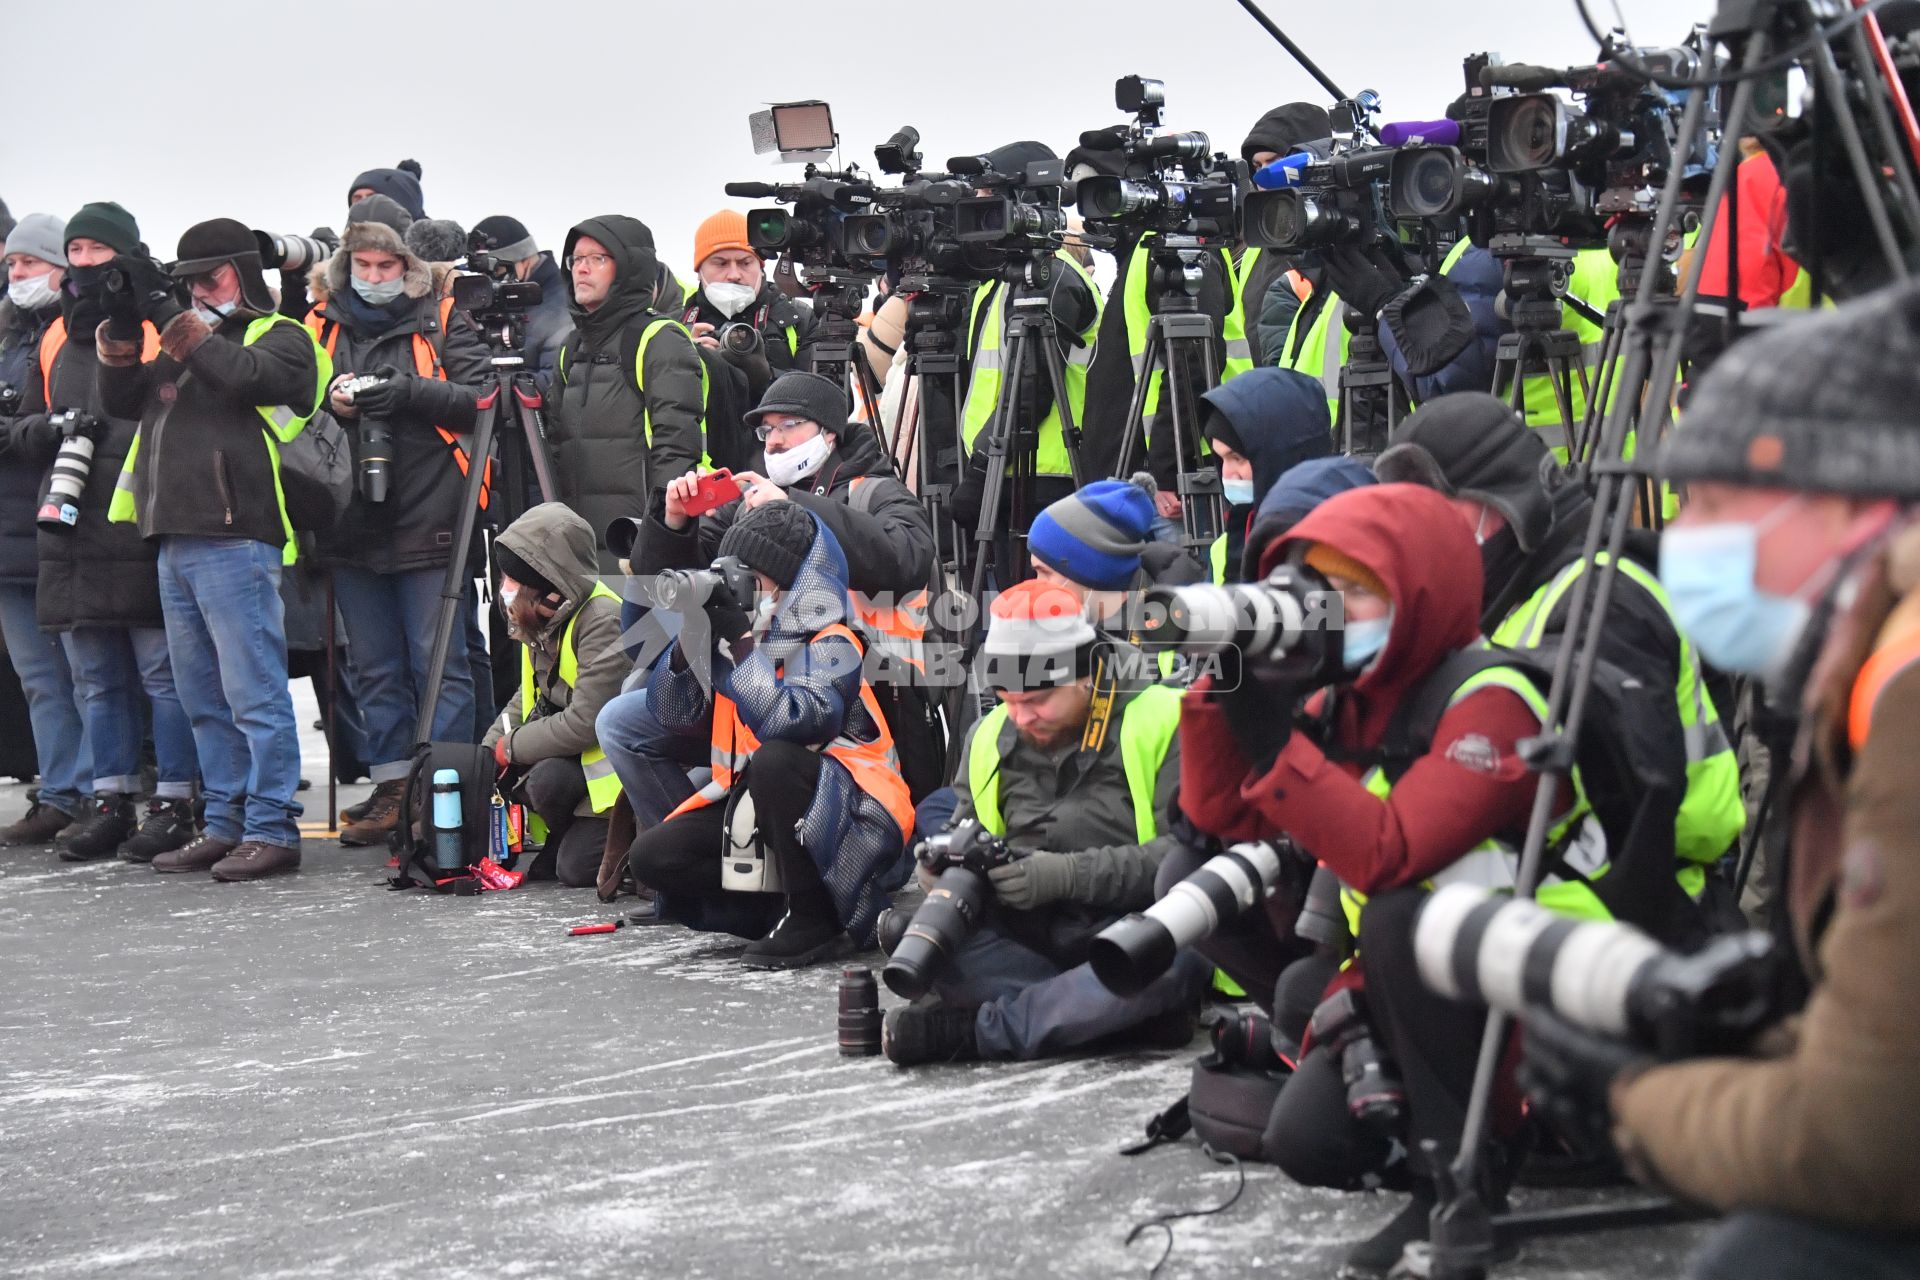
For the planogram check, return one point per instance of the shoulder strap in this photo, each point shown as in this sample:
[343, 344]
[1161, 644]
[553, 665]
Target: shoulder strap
[1410, 733]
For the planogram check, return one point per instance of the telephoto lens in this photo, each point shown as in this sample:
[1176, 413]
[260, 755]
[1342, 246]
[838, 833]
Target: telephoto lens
[67, 480]
[960, 858]
[1321, 920]
[739, 337]
[1375, 1094]
[1245, 1039]
[376, 459]
[859, 1013]
[1131, 952]
[290, 253]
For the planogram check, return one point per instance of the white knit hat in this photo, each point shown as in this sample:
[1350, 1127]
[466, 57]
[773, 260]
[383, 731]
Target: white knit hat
[1038, 637]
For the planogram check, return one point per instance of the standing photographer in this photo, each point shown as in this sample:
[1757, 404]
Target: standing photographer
[1795, 561]
[384, 318]
[519, 258]
[1272, 286]
[630, 395]
[233, 380]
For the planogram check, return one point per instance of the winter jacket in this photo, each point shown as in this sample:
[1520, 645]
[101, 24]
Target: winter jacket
[549, 323]
[1269, 302]
[414, 528]
[1825, 1123]
[204, 469]
[1766, 271]
[612, 448]
[1280, 416]
[735, 384]
[888, 548]
[559, 546]
[21, 476]
[796, 685]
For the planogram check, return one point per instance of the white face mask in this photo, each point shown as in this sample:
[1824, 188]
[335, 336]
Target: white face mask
[790, 467]
[214, 313]
[730, 299]
[380, 294]
[32, 293]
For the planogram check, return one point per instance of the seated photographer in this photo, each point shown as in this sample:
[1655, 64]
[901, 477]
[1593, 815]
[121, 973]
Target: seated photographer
[383, 320]
[571, 663]
[731, 288]
[1794, 561]
[521, 259]
[1350, 792]
[1077, 772]
[1097, 543]
[776, 687]
[1259, 426]
[1531, 525]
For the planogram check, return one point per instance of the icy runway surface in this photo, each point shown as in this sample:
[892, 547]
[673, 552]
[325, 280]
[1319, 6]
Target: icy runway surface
[313, 1076]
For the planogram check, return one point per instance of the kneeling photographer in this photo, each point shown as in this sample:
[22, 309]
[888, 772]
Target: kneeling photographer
[1795, 561]
[1392, 816]
[407, 368]
[1074, 773]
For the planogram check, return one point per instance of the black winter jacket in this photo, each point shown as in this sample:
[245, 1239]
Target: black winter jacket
[20, 476]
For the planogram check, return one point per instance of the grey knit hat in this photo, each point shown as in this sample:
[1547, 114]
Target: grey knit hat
[42, 235]
[437, 240]
[1826, 404]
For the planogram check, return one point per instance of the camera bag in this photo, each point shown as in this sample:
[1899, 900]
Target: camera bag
[316, 472]
[412, 840]
[1227, 1106]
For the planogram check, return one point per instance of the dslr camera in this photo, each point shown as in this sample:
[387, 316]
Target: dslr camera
[1174, 183]
[959, 859]
[79, 432]
[1327, 193]
[685, 590]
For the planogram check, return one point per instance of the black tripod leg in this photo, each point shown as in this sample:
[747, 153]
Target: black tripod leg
[333, 724]
[1133, 433]
[1069, 428]
[453, 590]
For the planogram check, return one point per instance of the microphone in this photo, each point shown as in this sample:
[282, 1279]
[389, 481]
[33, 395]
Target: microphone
[1523, 76]
[1112, 138]
[1284, 172]
[752, 190]
[1421, 133]
[969, 165]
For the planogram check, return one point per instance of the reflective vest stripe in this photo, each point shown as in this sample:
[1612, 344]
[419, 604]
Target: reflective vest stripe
[1148, 725]
[899, 630]
[603, 786]
[986, 324]
[1322, 350]
[654, 327]
[1217, 560]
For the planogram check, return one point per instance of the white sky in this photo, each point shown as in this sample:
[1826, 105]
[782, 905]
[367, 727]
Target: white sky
[265, 112]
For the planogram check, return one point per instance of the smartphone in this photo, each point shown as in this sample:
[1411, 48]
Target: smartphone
[715, 489]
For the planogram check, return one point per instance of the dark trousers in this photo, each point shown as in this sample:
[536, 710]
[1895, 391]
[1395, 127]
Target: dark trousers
[554, 789]
[1774, 1246]
[681, 856]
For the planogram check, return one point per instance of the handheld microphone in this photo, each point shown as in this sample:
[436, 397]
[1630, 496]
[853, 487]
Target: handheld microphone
[1284, 172]
[752, 190]
[1523, 76]
[1421, 133]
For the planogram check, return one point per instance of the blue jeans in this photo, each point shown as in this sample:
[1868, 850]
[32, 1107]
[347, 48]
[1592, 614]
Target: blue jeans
[650, 759]
[390, 620]
[1032, 1008]
[226, 629]
[59, 733]
[1758, 1245]
[112, 668]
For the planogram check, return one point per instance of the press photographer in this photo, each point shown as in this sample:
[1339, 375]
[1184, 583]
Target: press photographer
[1794, 561]
[1274, 285]
[408, 368]
[515, 257]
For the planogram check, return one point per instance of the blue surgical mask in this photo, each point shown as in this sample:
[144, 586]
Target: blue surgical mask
[1239, 493]
[1707, 571]
[379, 295]
[1363, 641]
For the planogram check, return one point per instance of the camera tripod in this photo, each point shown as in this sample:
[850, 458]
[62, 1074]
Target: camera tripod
[838, 298]
[927, 425]
[1534, 275]
[1182, 351]
[1369, 390]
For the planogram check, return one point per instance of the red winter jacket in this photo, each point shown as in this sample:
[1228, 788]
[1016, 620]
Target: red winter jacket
[1470, 786]
[1766, 272]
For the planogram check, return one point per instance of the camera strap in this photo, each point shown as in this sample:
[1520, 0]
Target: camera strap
[1100, 711]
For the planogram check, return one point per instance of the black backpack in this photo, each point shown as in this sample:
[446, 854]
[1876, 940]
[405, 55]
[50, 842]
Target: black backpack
[412, 841]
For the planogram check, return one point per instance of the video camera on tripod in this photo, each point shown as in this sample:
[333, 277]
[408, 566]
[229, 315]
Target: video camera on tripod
[1173, 183]
[496, 301]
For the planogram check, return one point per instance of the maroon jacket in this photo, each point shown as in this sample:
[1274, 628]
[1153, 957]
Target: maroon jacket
[1470, 786]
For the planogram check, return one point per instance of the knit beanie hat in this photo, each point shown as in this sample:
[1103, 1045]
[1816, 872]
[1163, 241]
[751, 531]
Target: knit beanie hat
[106, 222]
[1283, 130]
[513, 566]
[380, 209]
[510, 237]
[1330, 562]
[726, 229]
[804, 395]
[1038, 637]
[40, 235]
[1472, 445]
[437, 240]
[1095, 536]
[400, 184]
[1824, 404]
[773, 539]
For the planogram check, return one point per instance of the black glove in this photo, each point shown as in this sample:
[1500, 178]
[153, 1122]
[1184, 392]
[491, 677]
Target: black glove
[725, 614]
[35, 437]
[389, 399]
[1363, 281]
[1259, 709]
[1569, 1071]
[159, 294]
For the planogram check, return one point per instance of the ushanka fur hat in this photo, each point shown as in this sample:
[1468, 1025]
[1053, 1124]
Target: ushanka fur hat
[377, 225]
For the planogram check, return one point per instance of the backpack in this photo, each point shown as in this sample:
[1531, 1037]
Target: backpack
[316, 472]
[412, 840]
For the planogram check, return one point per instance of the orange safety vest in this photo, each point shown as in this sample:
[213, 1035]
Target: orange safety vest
[1886, 662]
[874, 765]
[1296, 281]
[900, 630]
[56, 337]
[426, 363]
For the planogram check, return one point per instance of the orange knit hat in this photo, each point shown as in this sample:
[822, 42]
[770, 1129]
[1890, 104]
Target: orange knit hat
[726, 229]
[1333, 562]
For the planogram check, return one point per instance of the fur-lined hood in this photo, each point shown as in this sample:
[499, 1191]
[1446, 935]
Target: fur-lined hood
[376, 237]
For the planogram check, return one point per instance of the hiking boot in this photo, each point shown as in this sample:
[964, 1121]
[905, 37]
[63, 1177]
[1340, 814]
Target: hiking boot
[168, 825]
[256, 860]
[917, 1033]
[354, 812]
[1374, 1257]
[800, 939]
[380, 817]
[39, 827]
[195, 855]
[109, 820]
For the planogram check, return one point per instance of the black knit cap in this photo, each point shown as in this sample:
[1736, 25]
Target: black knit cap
[511, 239]
[1472, 445]
[805, 395]
[512, 566]
[107, 222]
[1283, 130]
[773, 539]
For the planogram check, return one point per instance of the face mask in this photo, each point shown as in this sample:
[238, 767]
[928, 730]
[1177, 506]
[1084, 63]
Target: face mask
[1707, 571]
[32, 293]
[1238, 493]
[1363, 641]
[381, 294]
[796, 464]
[507, 596]
[213, 313]
[730, 299]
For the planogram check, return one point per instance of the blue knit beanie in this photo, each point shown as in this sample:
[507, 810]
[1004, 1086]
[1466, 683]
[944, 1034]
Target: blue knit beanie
[1094, 536]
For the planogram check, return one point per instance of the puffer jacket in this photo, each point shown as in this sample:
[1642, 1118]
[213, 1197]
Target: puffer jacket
[21, 475]
[549, 323]
[559, 546]
[1280, 418]
[414, 528]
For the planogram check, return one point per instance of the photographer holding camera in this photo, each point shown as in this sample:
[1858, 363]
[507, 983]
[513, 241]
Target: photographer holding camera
[517, 257]
[408, 368]
[1272, 284]
[1390, 817]
[1794, 561]
[234, 379]
[1077, 772]
[571, 664]
[805, 784]
[630, 393]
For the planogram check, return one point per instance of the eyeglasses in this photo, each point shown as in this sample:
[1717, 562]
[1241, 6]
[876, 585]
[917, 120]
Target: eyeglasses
[767, 427]
[591, 261]
[203, 279]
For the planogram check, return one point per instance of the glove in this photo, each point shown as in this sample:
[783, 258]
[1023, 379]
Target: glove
[389, 399]
[725, 614]
[1258, 709]
[503, 752]
[1570, 1072]
[1362, 281]
[1033, 880]
[159, 295]
[35, 436]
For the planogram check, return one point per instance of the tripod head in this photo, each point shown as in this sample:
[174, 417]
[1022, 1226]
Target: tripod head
[936, 311]
[1175, 272]
[838, 293]
[1535, 272]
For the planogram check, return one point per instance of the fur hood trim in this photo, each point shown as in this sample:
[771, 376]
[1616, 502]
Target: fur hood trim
[378, 237]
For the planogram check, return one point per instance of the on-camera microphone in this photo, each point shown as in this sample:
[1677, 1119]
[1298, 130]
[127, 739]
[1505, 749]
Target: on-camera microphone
[1112, 138]
[752, 190]
[1421, 133]
[1523, 76]
[1284, 172]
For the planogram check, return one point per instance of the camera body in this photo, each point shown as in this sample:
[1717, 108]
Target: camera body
[738, 337]
[1336, 200]
[59, 509]
[684, 590]
[960, 859]
[1375, 1095]
[497, 303]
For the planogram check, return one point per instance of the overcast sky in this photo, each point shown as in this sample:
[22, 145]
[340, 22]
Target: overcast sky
[558, 111]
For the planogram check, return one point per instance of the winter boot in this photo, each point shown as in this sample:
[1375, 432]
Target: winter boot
[256, 860]
[109, 820]
[198, 855]
[42, 823]
[168, 825]
[930, 1032]
[381, 818]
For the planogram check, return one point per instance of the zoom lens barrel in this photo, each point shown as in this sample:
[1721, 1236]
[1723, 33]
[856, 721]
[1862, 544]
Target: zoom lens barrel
[1133, 951]
[949, 915]
[60, 507]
